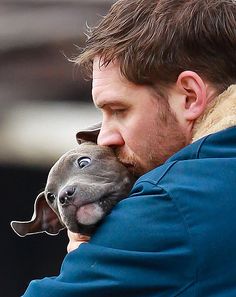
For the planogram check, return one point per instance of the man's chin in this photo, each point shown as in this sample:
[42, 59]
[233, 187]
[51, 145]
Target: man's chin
[132, 164]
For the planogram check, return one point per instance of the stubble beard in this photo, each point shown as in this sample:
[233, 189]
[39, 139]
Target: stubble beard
[131, 162]
[156, 151]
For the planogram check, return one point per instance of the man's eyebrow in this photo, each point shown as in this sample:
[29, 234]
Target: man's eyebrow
[110, 102]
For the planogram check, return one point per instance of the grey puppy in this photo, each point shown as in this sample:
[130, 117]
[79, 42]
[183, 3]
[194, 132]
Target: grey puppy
[82, 188]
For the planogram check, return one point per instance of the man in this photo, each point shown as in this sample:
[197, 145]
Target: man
[164, 74]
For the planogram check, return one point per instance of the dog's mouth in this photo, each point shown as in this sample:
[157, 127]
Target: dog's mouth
[106, 203]
[85, 218]
[91, 213]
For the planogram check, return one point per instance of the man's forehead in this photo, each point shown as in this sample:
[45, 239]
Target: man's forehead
[107, 81]
[98, 64]
[108, 72]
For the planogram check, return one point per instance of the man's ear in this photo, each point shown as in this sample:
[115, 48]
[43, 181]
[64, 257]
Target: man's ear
[44, 219]
[194, 90]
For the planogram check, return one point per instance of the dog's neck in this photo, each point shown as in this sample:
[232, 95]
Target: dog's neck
[219, 115]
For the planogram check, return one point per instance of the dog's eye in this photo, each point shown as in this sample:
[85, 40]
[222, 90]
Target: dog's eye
[51, 197]
[84, 161]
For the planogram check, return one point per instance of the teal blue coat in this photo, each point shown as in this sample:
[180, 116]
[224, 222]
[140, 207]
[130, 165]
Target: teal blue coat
[175, 235]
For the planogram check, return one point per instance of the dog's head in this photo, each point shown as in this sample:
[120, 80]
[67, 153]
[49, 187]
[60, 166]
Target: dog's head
[82, 187]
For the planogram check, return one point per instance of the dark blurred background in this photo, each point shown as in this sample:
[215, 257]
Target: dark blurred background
[44, 100]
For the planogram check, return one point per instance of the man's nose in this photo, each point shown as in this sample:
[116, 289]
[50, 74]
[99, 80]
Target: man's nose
[109, 136]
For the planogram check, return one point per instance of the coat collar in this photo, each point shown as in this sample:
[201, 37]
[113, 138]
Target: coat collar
[219, 115]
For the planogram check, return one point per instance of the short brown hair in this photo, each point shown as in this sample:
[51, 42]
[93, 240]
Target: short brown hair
[155, 40]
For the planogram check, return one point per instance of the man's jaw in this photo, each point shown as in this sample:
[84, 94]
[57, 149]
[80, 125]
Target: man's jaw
[136, 165]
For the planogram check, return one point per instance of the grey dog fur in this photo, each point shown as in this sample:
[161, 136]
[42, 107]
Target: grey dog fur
[102, 184]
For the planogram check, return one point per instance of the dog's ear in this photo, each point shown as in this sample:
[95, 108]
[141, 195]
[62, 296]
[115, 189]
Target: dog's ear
[44, 219]
[90, 134]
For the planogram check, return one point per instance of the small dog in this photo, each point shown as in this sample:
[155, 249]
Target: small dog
[82, 188]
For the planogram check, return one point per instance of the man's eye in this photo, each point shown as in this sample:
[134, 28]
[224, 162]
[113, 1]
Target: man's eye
[83, 162]
[118, 111]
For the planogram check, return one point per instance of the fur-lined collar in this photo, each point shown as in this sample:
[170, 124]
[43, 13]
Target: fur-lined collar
[219, 115]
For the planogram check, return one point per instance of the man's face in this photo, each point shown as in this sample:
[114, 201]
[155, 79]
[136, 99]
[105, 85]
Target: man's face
[136, 123]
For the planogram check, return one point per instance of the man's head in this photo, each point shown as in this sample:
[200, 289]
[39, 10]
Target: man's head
[155, 40]
[156, 65]
[137, 123]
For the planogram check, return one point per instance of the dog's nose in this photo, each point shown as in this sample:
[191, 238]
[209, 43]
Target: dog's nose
[66, 195]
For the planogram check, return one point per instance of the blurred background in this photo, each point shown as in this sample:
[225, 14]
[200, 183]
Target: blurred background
[44, 100]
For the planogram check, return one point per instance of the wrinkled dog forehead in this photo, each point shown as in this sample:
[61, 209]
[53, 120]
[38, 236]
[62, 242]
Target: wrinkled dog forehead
[101, 160]
[93, 150]
[88, 149]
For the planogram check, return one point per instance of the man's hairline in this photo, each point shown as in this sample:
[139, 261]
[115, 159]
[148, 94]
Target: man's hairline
[158, 90]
